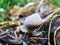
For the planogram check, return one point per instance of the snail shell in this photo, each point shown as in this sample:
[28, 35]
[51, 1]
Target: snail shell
[33, 20]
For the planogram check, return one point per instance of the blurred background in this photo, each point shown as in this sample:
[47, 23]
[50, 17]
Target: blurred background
[7, 4]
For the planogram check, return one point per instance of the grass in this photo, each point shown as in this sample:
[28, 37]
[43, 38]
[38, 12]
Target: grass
[7, 4]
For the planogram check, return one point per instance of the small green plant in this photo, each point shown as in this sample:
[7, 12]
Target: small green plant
[56, 2]
[1, 14]
[6, 4]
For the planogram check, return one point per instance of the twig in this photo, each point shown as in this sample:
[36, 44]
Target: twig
[55, 35]
[38, 38]
[49, 16]
[50, 27]
[41, 3]
[13, 37]
[3, 33]
[40, 27]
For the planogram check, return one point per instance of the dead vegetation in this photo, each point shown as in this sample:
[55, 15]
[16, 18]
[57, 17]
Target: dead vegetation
[32, 24]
